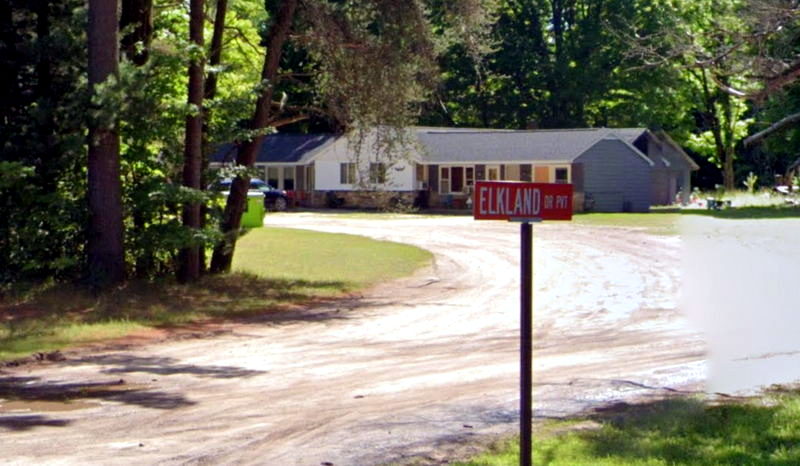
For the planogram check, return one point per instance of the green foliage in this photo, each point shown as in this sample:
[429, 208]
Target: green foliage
[750, 182]
[760, 431]
[42, 115]
[276, 268]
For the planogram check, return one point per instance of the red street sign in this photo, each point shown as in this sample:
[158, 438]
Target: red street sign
[506, 200]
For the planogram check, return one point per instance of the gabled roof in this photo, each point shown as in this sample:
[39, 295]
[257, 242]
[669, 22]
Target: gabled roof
[630, 135]
[466, 145]
[561, 145]
[281, 148]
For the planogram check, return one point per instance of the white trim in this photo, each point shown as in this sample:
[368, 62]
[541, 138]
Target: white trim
[552, 173]
[493, 162]
[499, 172]
[635, 150]
[450, 177]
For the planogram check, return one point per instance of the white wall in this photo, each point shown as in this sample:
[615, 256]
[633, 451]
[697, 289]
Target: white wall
[400, 177]
[400, 174]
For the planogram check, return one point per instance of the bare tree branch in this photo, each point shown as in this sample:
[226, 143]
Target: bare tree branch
[777, 126]
[278, 122]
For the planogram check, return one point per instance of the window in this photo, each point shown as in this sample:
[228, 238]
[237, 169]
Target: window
[456, 179]
[288, 178]
[421, 178]
[444, 185]
[377, 173]
[562, 175]
[274, 176]
[310, 177]
[347, 173]
[493, 173]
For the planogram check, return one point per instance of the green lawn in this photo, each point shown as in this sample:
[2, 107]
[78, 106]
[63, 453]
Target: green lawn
[658, 223]
[274, 268]
[664, 221]
[683, 431]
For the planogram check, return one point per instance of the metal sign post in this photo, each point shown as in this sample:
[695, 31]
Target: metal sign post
[526, 344]
[525, 203]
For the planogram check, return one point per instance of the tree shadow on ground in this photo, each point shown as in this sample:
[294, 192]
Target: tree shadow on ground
[30, 421]
[164, 304]
[237, 295]
[688, 431]
[127, 363]
[32, 389]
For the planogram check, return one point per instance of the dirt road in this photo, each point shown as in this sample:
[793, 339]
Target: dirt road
[411, 368]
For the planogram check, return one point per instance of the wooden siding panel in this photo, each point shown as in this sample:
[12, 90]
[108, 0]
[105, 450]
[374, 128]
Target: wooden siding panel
[541, 174]
[617, 177]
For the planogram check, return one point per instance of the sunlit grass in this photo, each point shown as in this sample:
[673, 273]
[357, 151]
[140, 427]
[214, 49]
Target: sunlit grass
[759, 431]
[656, 222]
[335, 261]
[274, 269]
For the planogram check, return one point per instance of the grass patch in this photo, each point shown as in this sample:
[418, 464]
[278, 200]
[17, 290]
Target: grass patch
[273, 268]
[664, 221]
[759, 431]
[656, 222]
[748, 212]
[332, 262]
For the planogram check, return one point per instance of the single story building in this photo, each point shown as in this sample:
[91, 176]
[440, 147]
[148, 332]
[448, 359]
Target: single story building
[612, 170]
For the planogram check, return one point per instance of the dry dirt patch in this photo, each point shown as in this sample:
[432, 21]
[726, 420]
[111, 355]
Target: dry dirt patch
[408, 369]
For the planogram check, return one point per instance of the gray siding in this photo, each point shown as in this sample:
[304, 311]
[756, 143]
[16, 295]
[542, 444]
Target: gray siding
[670, 169]
[616, 177]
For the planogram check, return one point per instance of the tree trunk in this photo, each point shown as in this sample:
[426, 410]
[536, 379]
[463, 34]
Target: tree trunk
[729, 140]
[193, 150]
[728, 177]
[136, 22]
[106, 262]
[210, 92]
[712, 121]
[215, 50]
[278, 33]
[8, 62]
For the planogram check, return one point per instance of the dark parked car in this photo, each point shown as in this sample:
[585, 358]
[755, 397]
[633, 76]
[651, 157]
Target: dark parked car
[274, 199]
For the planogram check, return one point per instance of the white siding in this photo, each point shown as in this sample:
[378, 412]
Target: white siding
[400, 171]
[400, 176]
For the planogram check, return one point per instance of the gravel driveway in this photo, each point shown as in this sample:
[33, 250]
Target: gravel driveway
[416, 367]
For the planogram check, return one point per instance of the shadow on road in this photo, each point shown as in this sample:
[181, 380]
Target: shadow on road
[35, 390]
[128, 363]
[30, 421]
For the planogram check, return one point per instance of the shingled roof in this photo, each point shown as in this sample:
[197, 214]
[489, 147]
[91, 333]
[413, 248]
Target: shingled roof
[281, 148]
[562, 145]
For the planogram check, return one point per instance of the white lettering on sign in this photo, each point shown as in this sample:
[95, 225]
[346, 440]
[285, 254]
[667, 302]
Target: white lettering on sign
[497, 200]
[482, 200]
[526, 202]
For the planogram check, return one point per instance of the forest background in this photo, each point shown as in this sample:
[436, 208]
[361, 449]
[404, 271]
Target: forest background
[109, 109]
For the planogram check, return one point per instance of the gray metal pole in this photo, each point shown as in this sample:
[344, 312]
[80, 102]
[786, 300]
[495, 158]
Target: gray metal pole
[526, 346]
